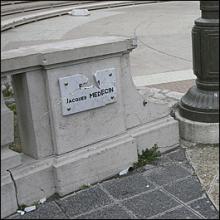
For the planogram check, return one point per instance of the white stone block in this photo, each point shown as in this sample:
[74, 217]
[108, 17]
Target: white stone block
[9, 159]
[197, 132]
[163, 132]
[94, 163]
[8, 196]
[44, 130]
[136, 112]
[78, 130]
[34, 180]
[65, 51]
[33, 114]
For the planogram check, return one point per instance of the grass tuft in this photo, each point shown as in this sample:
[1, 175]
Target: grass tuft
[7, 91]
[84, 186]
[147, 156]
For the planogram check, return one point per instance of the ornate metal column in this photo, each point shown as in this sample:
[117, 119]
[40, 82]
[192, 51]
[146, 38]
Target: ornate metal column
[201, 102]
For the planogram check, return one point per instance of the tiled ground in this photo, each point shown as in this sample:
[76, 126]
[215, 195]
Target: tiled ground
[167, 189]
[205, 161]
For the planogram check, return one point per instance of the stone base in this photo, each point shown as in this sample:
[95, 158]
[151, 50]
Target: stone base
[192, 132]
[9, 158]
[163, 132]
[8, 195]
[34, 180]
[94, 163]
[64, 174]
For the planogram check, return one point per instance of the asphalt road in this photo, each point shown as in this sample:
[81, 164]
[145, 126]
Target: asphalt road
[163, 31]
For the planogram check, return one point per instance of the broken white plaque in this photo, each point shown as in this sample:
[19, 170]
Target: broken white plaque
[80, 12]
[78, 96]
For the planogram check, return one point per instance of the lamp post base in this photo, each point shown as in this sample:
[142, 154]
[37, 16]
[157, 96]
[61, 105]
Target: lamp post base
[200, 105]
[192, 132]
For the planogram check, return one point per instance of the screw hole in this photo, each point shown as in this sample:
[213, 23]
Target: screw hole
[144, 102]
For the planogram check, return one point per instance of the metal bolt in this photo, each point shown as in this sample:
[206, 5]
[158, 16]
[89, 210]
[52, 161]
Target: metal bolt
[110, 74]
[66, 83]
[68, 109]
[112, 97]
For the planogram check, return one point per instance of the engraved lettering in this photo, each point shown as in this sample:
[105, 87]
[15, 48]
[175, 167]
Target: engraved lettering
[76, 97]
[111, 89]
[101, 92]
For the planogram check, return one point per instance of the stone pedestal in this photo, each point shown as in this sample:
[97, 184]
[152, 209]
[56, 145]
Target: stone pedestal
[69, 140]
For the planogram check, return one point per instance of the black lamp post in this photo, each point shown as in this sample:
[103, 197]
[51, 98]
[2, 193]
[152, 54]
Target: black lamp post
[201, 102]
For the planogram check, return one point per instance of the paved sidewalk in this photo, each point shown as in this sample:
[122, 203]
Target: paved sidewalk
[179, 86]
[205, 161]
[168, 189]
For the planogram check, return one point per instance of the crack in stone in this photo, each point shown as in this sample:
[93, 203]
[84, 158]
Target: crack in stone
[16, 191]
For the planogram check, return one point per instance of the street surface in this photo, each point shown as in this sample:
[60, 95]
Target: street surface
[166, 189]
[163, 31]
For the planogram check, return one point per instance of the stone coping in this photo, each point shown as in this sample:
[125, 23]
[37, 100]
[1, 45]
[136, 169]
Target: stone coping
[64, 51]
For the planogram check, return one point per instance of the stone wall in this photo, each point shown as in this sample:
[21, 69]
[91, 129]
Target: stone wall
[66, 144]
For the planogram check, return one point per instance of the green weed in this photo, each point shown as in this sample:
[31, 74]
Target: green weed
[8, 91]
[84, 186]
[147, 156]
[12, 107]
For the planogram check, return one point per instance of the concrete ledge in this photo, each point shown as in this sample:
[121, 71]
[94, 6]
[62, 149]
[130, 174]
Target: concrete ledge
[34, 180]
[94, 163]
[163, 132]
[66, 51]
[9, 158]
[192, 132]
[8, 195]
